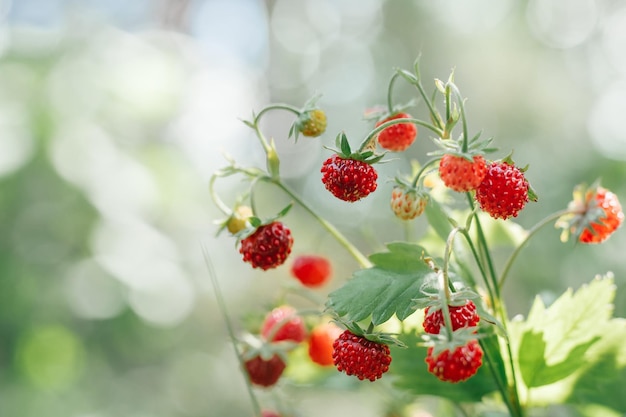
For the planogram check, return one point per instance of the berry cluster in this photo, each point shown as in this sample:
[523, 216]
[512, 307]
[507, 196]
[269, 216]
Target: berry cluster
[497, 187]
[282, 330]
[461, 361]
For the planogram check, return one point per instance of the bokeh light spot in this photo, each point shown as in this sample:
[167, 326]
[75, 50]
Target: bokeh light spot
[562, 24]
[50, 357]
[606, 124]
[92, 293]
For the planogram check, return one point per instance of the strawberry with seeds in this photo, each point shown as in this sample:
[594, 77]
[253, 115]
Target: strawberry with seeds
[358, 356]
[461, 174]
[348, 175]
[283, 323]
[460, 316]
[504, 191]
[457, 364]
[398, 137]
[268, 246]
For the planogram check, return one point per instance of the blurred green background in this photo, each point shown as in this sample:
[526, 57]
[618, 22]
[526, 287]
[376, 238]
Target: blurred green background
[114, 114]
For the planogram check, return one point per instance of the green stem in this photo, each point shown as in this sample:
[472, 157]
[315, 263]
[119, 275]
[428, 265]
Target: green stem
[483, 273]
[216, 199]
[368, 139]
[433, 113]
[446, 285]
[463, 119]
[549, 219]
[498, 307]
[356, 254]
[277, 106]
[229, 327]
[422, 169]
[501, 386]
[389, 91]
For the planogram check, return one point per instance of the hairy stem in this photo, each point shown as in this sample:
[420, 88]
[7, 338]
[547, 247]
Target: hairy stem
[368, 139]
[353, 250]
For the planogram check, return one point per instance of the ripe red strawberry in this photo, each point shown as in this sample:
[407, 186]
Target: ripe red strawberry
[407, 204]
[456, 366]
[321, 342]
[355, 355]
[348, 179]
[268, 247]
[268, 413]
[460, 174]
[504, 190]
[600, 229]
[311, 270]
[312, 123]
[283, 323]
[397, 138]
[265, 372]
[460, 316]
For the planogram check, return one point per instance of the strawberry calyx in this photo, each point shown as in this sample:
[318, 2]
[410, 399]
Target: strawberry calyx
[365, 153]
[474, 147]
[446, 340]
[253, 223]
[585, 213]
[369, 333]
[252, 346]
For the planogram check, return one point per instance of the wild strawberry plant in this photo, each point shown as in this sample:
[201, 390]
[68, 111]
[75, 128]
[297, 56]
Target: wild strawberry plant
[428, 314]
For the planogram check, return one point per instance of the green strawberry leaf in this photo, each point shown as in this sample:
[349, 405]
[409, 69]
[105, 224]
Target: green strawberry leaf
[411, 372]
[536, 372]
[387, 288]
[603, 382]
[573, 351]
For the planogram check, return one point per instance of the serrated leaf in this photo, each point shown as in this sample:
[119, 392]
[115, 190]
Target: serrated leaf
[386, 289]
[402, 257]
[566, 344]
[412, 375]
[604, 380]
[536, 372]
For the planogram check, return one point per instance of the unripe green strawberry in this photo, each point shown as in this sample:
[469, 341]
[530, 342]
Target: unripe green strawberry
[504, 190]
[456, 365]
[365, 359]
[312, 123]
[397, 138]
[461, 175]
[237, 221]
[407, 204]
[268, 247]
[348, 179]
